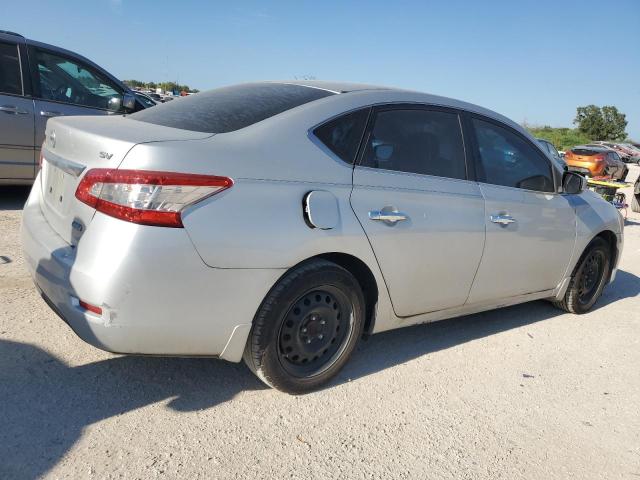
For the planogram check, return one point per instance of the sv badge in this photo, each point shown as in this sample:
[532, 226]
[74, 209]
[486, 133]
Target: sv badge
[105, 155]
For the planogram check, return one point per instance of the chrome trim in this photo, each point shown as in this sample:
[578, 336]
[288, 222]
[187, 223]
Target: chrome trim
[67, 166]
[45, 113]
[502, 219]
[12, 109]
[387, 216]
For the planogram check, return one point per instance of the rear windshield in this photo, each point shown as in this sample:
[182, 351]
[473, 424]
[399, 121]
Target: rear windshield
[229, 108]
[585, 151]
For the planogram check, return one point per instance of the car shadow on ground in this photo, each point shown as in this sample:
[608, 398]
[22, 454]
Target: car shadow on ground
[395, 347]
[46, 404]
[12, 197]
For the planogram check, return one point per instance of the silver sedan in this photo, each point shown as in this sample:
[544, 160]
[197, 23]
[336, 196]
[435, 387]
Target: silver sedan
[280, 222]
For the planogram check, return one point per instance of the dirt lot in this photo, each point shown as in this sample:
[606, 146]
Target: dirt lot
[523, 392]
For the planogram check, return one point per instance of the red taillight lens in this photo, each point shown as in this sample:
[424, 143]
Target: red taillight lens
[146, 197]
[89, 307]
[599, 158]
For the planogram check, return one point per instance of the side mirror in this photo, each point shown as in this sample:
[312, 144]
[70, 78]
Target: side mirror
[573, 183]
[115, 103]
[129, 102]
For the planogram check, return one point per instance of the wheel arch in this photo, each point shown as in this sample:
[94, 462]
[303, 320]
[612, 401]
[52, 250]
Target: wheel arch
[363, 274]
[612, 240]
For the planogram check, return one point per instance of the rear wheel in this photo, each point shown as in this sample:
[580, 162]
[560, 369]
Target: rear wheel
[306, 328]
[588, 279]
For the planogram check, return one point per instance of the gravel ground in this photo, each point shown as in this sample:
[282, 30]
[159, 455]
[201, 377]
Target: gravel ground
[522, 392]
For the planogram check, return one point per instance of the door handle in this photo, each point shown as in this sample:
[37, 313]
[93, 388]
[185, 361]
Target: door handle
[45, 113]
[502, 219]
[12, 109]
[387, 215]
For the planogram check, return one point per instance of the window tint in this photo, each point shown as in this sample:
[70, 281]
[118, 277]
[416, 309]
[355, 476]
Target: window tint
[229, 108]
[146, 101]
[10, 79]
[342, 135]
[417, 141]
[507, 159]
[585, 151]
[69, 81]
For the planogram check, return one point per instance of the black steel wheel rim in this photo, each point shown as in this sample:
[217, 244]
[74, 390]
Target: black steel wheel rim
[315, 331]
[590, 276]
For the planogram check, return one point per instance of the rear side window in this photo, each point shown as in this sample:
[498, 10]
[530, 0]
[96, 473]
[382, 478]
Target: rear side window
[428, 142]
[10, 78]
[229, 108]
[507, 159]
[342, 135]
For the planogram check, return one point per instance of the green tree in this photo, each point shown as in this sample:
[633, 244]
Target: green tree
[562, 138]
[605, 123]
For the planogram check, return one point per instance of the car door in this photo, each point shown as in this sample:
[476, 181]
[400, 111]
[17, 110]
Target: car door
[16, 118]
[65, 85]
[530, 228]
[421, 214]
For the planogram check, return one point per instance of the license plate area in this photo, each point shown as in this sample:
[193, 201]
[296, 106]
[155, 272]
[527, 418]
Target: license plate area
[55, 191]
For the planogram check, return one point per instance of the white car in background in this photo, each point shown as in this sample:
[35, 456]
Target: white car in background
[279, 222]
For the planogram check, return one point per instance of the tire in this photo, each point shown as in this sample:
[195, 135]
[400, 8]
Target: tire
[635, 197]
[635, 202]
[306, 328]
[586, 285]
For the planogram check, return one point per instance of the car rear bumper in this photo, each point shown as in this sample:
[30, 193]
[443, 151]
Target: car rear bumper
[157, 296]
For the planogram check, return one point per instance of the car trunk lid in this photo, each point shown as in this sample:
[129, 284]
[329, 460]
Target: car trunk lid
[75, 145]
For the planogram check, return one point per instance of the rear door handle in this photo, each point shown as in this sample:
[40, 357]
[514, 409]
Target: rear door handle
[502, 219]
[12, 109]
[387, 215]
[45, 113]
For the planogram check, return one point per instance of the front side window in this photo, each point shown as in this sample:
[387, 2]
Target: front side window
[427, 142]
[507, 159]
[10, 78]
[69, 81]
[342, 135]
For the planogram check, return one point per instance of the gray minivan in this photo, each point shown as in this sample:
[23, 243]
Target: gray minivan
[40, 81]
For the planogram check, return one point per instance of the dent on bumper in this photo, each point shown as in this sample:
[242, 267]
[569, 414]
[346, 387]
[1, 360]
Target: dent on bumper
[156, 294]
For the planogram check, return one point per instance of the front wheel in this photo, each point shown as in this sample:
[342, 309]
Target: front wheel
[306, 328]
[588, 279]
[635, 198]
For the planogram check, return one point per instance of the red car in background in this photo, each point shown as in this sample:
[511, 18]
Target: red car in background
[627, 155]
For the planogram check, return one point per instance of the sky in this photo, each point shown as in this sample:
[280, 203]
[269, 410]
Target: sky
[533, 61]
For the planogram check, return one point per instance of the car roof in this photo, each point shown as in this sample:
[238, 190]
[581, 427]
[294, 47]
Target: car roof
[334, 87]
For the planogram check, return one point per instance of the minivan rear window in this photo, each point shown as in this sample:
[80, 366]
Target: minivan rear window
[229, 108]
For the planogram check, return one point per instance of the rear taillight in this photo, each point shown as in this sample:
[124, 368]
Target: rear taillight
[599, 158]
[147, 197]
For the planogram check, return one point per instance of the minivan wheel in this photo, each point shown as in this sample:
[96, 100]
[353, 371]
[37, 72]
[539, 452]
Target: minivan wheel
[306, 328]
[588, 279]
[635, 202]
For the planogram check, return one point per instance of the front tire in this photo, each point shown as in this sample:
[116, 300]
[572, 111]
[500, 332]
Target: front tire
[588, 279]
[306, 328]
[635, 197]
